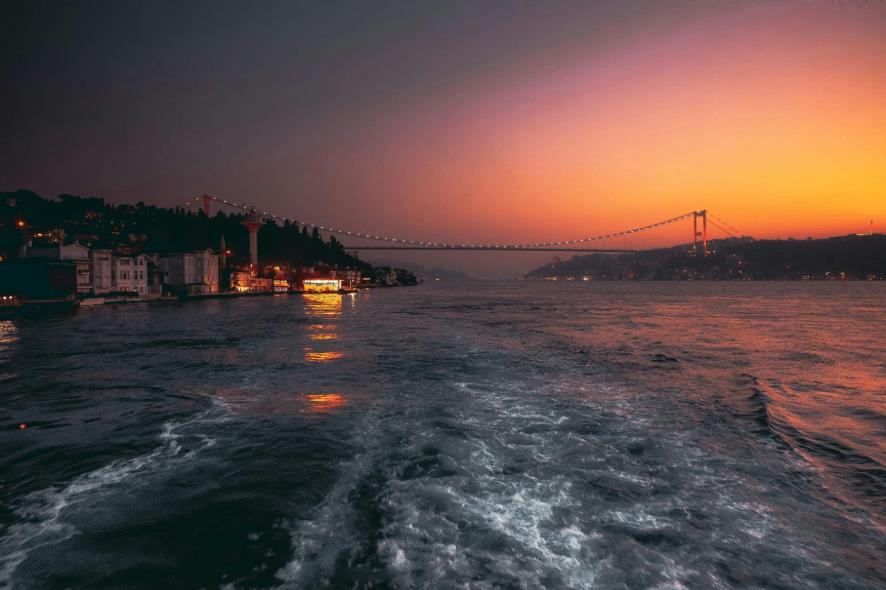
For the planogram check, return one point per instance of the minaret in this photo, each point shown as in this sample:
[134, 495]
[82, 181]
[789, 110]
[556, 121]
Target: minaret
[223, 256]
[253, 223]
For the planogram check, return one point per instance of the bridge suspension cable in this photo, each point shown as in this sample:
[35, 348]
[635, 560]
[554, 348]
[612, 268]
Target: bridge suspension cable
[736, 232]
[721, 228]
[203, 200]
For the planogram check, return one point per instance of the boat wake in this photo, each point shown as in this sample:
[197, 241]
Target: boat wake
[43, 516]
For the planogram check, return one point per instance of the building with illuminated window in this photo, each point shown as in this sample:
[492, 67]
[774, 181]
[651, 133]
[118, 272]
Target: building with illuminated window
[317, 285]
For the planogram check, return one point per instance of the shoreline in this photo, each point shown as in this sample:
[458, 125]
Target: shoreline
[54, 307]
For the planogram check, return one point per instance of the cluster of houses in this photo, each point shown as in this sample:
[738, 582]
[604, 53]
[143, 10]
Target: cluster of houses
[50, 268]
[104, 272]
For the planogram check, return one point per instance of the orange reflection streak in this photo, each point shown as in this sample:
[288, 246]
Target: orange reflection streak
[316, 356]
[8, 332]
[327, 306]
[325, 402]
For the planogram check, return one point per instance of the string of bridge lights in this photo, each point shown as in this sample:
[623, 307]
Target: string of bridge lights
[442, 245]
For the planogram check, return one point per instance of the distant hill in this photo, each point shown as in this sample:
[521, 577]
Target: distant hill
[426, 273]
[855, 257]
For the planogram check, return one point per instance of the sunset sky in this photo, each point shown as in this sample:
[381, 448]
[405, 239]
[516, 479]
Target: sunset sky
[462, 121]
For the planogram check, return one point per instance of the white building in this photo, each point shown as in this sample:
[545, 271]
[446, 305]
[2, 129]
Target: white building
[196, 272]
[100, 271]
[207, 268]
[80, 255]
[131, 274]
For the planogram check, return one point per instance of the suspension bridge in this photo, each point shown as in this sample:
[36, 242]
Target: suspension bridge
[700, 220]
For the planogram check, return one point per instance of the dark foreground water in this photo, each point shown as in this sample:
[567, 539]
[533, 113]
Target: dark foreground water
[522, 435]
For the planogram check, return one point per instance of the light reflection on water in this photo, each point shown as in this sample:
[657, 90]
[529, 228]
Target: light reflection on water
[8, 332]
[326, 308]
[8, 339]
[323, 336]
[324, 403]
[315, 356]
[323, 305]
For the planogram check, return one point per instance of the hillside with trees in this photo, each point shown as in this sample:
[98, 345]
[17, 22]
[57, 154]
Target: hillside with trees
[143, 227]
[854, 257]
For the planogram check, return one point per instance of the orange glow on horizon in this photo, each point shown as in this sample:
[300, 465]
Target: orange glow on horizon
[772, 116]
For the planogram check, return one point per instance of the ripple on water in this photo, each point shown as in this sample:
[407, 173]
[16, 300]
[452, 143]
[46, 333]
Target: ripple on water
[48, 517]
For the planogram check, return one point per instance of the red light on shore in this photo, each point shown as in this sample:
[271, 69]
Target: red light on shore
[22, 426]
[20, 223]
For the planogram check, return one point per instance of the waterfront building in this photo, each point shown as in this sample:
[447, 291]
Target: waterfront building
[190, 273]
[349, 278]
[79, 255]
[207, 269]
[246, 281]
[98, 271]
[324, 285]
[131, 274]
[102, 266]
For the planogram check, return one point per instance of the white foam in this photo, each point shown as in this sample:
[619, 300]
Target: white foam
[41, 513]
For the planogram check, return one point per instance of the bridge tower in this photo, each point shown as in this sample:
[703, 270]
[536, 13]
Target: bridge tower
[206, 199]
[253, 223]
[703, 234]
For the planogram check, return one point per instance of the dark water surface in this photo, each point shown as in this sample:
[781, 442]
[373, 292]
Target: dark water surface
[514, 435]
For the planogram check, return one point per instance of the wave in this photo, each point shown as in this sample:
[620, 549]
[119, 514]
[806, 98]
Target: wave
[452, 496]
[41, 514]
[839, 465]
